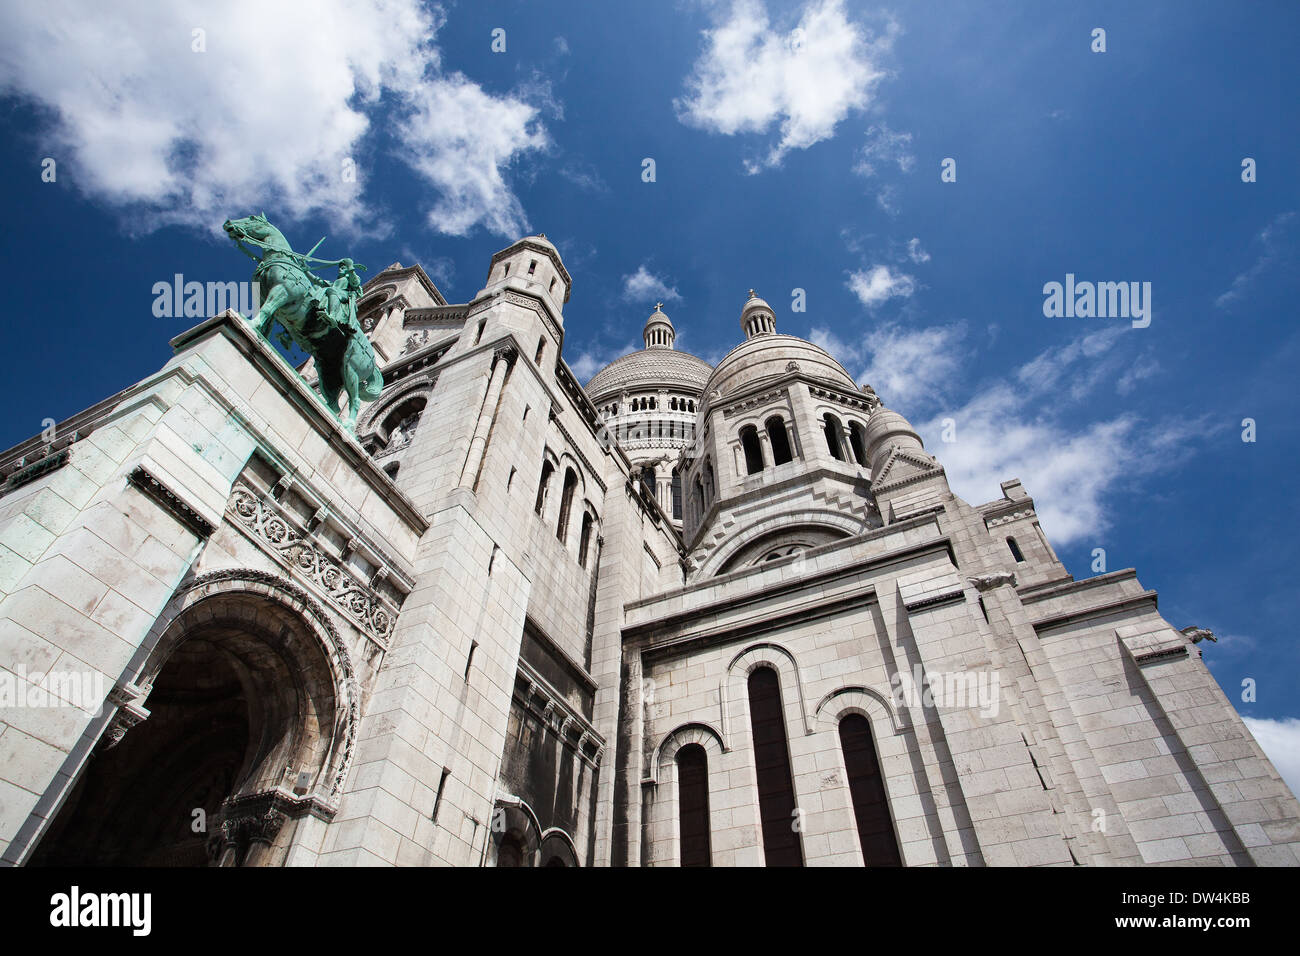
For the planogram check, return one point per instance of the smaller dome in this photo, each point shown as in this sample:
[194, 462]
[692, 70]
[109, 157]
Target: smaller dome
[659, 332]
[756, 317]
[886, 429]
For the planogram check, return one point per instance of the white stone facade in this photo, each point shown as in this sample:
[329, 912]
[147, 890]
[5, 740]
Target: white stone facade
[686, 615]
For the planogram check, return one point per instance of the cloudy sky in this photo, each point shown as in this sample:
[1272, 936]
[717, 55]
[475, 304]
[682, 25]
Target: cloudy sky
[795, 147]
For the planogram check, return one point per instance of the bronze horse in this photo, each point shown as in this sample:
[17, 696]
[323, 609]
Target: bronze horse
[300, 302]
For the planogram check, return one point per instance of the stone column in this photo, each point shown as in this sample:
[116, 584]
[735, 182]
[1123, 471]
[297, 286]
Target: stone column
[502, 359]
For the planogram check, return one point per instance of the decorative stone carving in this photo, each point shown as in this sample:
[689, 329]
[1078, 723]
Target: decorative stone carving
[1198, 634]
[305, 559]
[987, 582]
[171, 502]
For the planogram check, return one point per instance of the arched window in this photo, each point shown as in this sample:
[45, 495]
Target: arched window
[867, 788]
[692, 405]
[544, 485]
[1015, 550]
[693, 805]
[391, 470]
[753, 450]
[677, 494]
[710, 486]
[478, 336]
[541, 349]
[831, 426]
[780, 439]
[858, 440]
[772, 765]
[584, 541]
[566, 503]
[699, 498]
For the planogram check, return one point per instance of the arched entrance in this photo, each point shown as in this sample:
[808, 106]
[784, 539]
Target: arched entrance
[245, 733]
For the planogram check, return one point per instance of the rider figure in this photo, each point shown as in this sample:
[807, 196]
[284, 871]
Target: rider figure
[341, 294]
[337, 299]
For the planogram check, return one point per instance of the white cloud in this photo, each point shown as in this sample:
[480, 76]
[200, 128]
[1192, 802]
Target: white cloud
[915, 252]
[1280, 740]
[1274, 249]
[1017, 428]
[645, 287]
[885, 146]
[461, 139]
[1025, 424]
[164, 134]
[880, 283]
[751, 76]
[591, 361]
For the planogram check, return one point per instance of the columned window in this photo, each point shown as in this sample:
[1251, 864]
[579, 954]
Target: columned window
[831, 426]
[693, 805]
[584, 541]
[772, 764]
[867, 788]
[753, 451]
[566, 504]
[858, 441]
[780, 440]
[543, 486]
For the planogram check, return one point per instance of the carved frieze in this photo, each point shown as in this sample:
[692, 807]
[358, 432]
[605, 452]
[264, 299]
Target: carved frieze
[299, 552]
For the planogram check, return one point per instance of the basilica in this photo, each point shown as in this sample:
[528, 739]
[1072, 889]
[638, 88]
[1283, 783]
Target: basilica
[678, 615]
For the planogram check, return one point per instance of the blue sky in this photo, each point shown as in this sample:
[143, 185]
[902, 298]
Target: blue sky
[797, 145]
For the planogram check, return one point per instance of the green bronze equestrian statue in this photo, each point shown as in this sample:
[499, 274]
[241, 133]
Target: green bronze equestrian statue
[319, 317]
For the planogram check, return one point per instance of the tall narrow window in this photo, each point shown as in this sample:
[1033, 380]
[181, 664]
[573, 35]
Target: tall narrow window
[541, 350]
[532, 267]
[772, 764]
[858, 440]
[780, 440]
[677, 494]
[699, 498]
[566, 504]
[584, 542]
[753, 450]
[867, 788]
[544, 485]
[831, 425]
[478, 336]
[1015, 550]
[693, 805]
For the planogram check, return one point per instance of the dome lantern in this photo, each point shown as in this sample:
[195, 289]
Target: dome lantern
[659, 332]
[756, 318]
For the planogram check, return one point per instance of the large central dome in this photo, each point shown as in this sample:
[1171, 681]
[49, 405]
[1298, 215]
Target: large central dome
[657, 366]
[649, 369]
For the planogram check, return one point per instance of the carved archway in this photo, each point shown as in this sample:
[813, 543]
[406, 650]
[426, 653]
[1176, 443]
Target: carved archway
[251, 708]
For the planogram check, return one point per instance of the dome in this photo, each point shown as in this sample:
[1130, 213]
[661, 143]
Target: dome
[770, 355]
[649, 368]
[885, 422]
